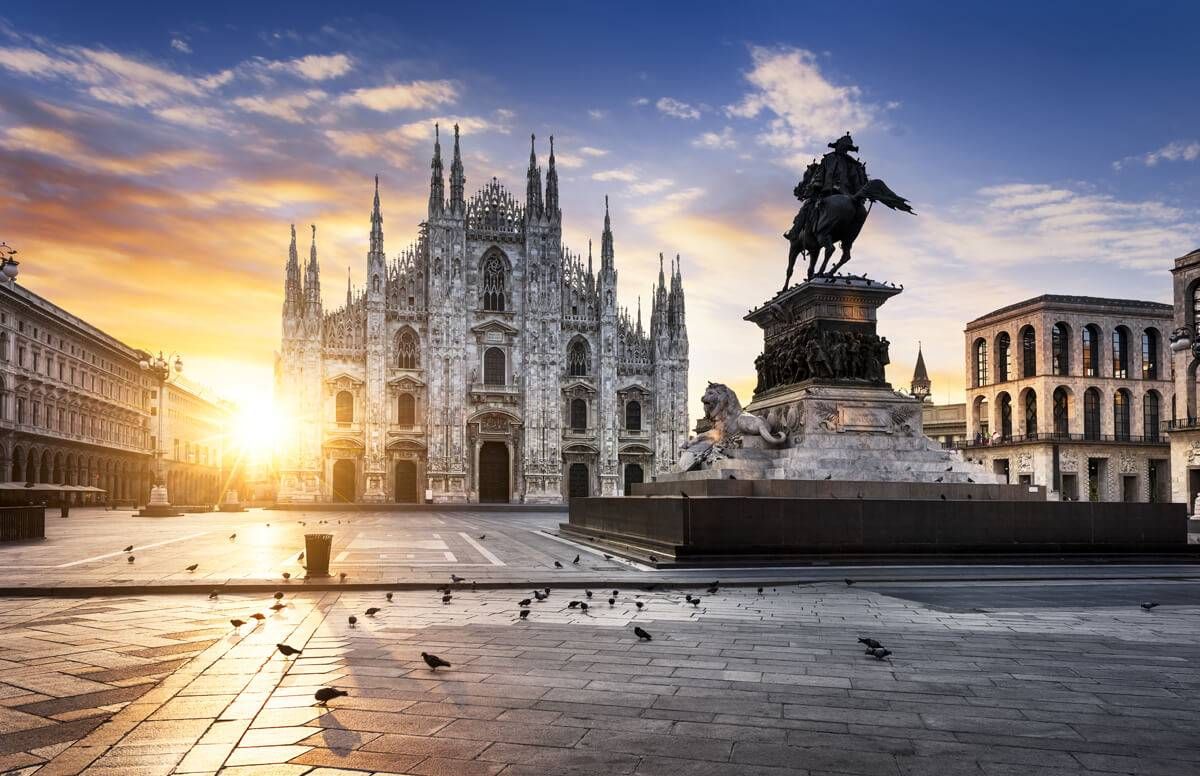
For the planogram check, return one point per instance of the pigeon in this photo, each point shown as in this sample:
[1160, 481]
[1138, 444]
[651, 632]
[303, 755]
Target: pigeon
[456, 578]
[130, 559]
[607, 556]
[352, 620]
[576, 561]
[128, 549]
[970, 480]
[539, 595]
[300, 558]
[326, 694]
[686, 497]
[942, 496]
[447, 598]
[557, 565]
[1149, 605]
[653, 559]
[433, 661]
[616, 593]
[638, 604]
[641, 634]
[546, 590]
[287, 651]
[587, 593]
[482, 537]
[949, 468]
[688, 597]
[695, 602]
[583, 607]
[193, 567]
[342, 577]
[277, 607]
[278, 596]
[258, 616]
[849, 581]
[573, 604]
[760, 591]
[372, 611]
[713, 588]
[232, 537]
[880, 653]
[869, 642]
[287, 575]
[389, 597]
[236, 623]
[612, 601]
[212, 594]
[939, 479]
[524, 613]
[828, 477]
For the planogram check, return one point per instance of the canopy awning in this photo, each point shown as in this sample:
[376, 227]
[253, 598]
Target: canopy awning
[45, 487]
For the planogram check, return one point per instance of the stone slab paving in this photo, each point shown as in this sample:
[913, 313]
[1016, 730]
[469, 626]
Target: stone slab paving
[740, 684]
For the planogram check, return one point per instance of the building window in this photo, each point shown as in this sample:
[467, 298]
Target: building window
[1062, 419]
[578, 359]
[1121, 415]
[633, 416]
[1150, 416]
[406, 410]
[1059, 349]
[407, 350]
[1150, 354]
[578, 415]
[344, 407]
[1091, 350]
[981, 363]
[1028, 352]
[493, 367]
[20, 409]
[1005, 415]
[1003, 357]
[1030, 414]
[1091, 414]
[1120, 353]
[4, 346]
[494, 286]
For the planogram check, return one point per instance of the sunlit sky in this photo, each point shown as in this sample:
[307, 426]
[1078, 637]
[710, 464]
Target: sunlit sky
[154, 154]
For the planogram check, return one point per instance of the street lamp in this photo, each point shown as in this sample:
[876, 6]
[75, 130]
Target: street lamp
[160, 369]
[8, 265]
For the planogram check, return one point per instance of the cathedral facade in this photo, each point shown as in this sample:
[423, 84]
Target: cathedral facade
[483, 363]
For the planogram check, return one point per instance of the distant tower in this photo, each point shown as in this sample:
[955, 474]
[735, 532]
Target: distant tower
[921, 387]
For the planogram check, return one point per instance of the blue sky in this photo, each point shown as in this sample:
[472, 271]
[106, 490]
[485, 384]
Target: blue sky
[1046, 148]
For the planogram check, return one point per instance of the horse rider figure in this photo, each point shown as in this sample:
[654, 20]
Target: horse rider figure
[837, 173]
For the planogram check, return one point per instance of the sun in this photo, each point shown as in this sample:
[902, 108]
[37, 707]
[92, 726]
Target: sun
[258, 429]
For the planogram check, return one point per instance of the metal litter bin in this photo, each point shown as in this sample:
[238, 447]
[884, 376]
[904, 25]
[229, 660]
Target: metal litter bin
[317, 548]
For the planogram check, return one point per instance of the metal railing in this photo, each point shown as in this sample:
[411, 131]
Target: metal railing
[1180, 424]
[1153, 438]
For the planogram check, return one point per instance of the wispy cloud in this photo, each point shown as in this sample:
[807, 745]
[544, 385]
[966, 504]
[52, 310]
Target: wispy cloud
[804, 109]
[1177, 151]
[676, 108]
[597, 113]
[622, 174]
[317, 67]
[181, 45]
[288, 107]
[593, 151]
[410, 96]
[716, 141]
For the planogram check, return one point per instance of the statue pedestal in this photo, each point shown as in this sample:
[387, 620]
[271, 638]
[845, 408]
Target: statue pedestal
[159, 505]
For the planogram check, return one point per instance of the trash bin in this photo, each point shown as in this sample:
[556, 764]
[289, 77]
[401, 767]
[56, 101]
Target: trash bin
[316, 554]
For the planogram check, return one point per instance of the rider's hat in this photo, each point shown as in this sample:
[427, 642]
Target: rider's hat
[846, 142]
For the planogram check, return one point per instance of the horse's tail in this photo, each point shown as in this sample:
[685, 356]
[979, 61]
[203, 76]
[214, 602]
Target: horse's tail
[876, 190]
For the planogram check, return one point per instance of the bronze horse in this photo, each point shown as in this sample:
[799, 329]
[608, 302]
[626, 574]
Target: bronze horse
[838, 219]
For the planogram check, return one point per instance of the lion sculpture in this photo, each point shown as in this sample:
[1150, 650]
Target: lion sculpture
[727, 427]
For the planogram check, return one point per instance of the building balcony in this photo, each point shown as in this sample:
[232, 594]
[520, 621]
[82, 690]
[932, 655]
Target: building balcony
[493, 389]
[1057, 438]
[1181, 424]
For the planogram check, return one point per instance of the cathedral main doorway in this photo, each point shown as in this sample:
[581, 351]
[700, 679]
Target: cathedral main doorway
[577, 481]
[343, 480]
[406, 482]
[633, 475]
[493, 472]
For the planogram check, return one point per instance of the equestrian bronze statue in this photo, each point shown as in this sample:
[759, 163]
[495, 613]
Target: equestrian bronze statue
[832, 210]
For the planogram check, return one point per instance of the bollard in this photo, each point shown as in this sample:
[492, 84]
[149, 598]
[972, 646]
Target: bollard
[317, 548]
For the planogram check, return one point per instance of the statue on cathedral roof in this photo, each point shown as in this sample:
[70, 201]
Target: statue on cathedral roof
[832, 195]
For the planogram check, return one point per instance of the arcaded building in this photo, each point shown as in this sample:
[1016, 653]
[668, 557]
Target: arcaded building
[1072, 392]
[485, 362]
[1184, 427]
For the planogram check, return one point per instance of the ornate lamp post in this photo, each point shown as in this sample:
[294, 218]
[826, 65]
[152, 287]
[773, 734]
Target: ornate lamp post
[160, 369]
[8, 265]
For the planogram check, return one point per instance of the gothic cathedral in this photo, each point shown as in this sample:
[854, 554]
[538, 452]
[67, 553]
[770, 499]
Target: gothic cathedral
[484, 363]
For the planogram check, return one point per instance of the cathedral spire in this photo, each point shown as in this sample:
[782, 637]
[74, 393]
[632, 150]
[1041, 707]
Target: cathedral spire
[921, 385]
[312, 275]
[662, 285]
[457, 180]
[347, 286]
[533, 186]
[377, 224]
[639, 318]
[437, 191]
[292, 288]
[606, 241]
[552, 210]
